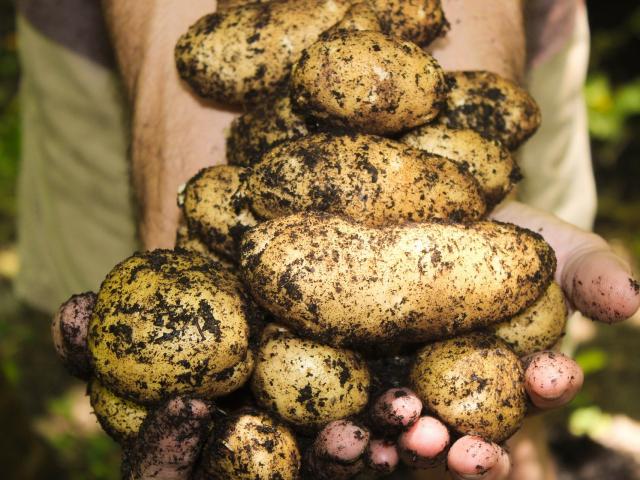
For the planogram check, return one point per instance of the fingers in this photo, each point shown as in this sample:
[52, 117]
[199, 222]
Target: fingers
[424, 444]
[551, 379]
[472, 458]
[169, 442]
[69, 329]
[397, 407]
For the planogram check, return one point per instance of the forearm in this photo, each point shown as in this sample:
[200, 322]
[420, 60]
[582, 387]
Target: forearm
[174, 134]
[484, 35]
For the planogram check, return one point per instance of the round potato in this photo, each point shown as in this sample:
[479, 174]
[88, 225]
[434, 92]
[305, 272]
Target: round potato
[418, 21]
[251, 446]
[119, 417]
[473, 383]
[188, 241]
[242, 54]
[169, 323]
[308, 384]
[489, 162]
[369, 82]
[371, 179]
[491, 105]
[343, 283]
[361, 16]
[539, 327]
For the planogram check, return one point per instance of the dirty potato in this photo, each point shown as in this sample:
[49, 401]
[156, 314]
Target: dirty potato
[361, 16]
[418, 21]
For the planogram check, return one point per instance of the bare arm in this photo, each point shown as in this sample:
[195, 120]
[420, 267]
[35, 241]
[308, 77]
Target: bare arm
[174, 134]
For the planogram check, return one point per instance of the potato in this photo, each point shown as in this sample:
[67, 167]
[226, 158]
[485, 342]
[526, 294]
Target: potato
[369, 82]
[370, 179]
[473, 383]
[539, 327]
[188, 241]
[241, 55]
[361, 16]
[419, 21]
[119, 417]
[308, 384]
[169, 323]
[332, 279]
[261, 128]
[489, 162]
[251, 446]
[213, 211]
[491, 105]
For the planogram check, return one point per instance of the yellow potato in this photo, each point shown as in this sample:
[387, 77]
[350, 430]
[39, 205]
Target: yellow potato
[361, 16]
[343, 283]
[188, 241]
[369, 82]
[419, 21]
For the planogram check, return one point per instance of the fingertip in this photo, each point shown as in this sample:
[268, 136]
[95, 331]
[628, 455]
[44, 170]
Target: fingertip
[424, 443]
[399, 407]
[472, 457]
[552, 379]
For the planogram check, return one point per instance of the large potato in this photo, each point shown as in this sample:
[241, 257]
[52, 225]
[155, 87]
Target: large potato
[473, 383]
[419, 21]
[308, 384]
[251, 446]
[335, 280]
[539, 327]
[369, 82]
[169, 323]
[370, 179]
[243, 53]
[492, 106]
[488, 161]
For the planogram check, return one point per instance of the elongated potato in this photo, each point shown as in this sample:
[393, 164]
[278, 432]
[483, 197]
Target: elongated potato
[242, 54]
[332, 279]
[369, 82]
[488, 161]
[491, 105]
[419, 21]
[213, 211]
[308, 384]
[169, 323]
[539, 327]
[474, 383]
[370, 179]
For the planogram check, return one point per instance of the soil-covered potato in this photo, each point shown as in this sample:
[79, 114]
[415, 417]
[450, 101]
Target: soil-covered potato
[474, 383]
[361, 16]
[418, 21]
[213, 211]
[186, 240]
[242, 54]
[487, 160]
[369, 82]
[170, 323]
[332, 279]
[308, 384]
[250, 445]
[119, 417]
[539, 327]
[491, 105]
[371, 179]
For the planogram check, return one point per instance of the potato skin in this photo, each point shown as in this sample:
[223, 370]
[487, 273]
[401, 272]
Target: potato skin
[371, 179]
[119, 417]
[188, 241]
[539, 327]
[473, 383]
[369, 82]
[361, 16]
[169, 323]
[491, 105]
[250, 445]
[410, 283]
[308, 384]
[487, 160]
[418, 21]
[242, 54]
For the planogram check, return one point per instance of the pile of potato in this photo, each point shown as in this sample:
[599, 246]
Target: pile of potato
[350, 221]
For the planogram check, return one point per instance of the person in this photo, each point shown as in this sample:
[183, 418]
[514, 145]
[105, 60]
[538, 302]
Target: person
[77, 218]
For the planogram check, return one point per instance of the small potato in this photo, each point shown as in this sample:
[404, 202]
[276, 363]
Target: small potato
[251, 446]
[491, 105]
[371, 179]
[188, 241]
[308, 384]
[488, 161]
[418, 21]
[369, 82]
[242, 54]
[170, 323]
[474, 383]
[332, 279]
[213, 211]
[539, 327]
[360, 17]
[119, 417]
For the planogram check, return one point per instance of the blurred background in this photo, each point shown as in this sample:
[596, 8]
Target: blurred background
[49, 431]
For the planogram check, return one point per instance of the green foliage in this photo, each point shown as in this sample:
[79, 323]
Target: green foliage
[610, 108]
